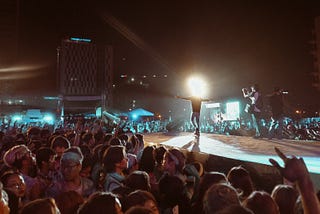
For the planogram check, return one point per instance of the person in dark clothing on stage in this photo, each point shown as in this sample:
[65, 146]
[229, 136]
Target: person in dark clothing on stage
[276, 104]
[255, 107]
[196, 108]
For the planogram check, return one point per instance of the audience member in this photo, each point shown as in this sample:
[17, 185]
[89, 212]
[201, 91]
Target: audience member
[100, 203]
[240, 179]
[285, 196]
[71, 164]
[115, 161]
[218, 197]
[261, 202]
[40, 206]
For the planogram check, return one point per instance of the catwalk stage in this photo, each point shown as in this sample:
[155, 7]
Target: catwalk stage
[241, 148]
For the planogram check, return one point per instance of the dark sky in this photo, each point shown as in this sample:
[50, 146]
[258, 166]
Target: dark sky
[233, 44]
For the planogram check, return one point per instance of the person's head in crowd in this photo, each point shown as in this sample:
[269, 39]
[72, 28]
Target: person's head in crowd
[14, 182]
[139, 210]
[71, 164]
[138, 180]
[132, 163]
[71, 137]
[115, 159]
[85, 149]
[4, 201]
[33, 133]
[107, 138]
[261, 202]
[285, 196]
[59, 144]
[69, 202]
[87, 166]
[124, 139]
[207, 180]
[235, 209]
[98, 137]
[134, 142]
[20, 139]
[100, 203]
[141, 198]
[115, 142]
[218, 197]
[40, 206]
[172, 193]
[147, 161]
[45, 134]
[240, 178]
[21, 158]
[88, 139]
[159, 154]
[45, 158]
[8, 142]
[174, 161]
[140, 137]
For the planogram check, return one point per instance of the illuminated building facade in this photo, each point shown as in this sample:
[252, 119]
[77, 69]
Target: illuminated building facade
[85, 74]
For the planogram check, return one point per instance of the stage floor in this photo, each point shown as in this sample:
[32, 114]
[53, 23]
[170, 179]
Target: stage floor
[241, 147]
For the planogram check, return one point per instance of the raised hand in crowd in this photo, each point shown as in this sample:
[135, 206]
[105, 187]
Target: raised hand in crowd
[295, 170]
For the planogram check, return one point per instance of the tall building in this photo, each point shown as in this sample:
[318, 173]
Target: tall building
[316, 54]
[85, 74]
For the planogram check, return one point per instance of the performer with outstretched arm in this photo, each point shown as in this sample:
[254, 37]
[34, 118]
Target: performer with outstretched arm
[196, 108]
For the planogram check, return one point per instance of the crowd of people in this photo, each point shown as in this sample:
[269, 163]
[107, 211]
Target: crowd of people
[98, 168]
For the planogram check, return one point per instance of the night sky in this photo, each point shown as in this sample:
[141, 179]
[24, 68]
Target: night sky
[233, 44]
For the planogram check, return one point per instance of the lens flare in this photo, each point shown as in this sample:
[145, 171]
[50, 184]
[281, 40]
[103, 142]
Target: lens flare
[197, 86]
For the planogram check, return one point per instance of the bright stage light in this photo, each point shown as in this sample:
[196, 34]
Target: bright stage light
[16, 118]
[48, 118]
[197, 86]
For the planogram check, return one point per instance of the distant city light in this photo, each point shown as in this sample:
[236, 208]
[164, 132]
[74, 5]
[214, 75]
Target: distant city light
[124, 76]
[165, 76]
[80, 39]
[154, 76]
[144, 76]
[132, 79]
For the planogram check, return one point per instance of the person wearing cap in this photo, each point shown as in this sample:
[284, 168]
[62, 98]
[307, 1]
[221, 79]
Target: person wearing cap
[71, 164]
[19, 158]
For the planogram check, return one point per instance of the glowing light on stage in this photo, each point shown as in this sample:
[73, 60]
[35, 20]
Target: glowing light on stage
[134, 116]
[48, 118]
[197, 86]
[16, 118]
[233, 110]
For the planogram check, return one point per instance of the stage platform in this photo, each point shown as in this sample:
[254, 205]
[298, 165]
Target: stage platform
[236, 150]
